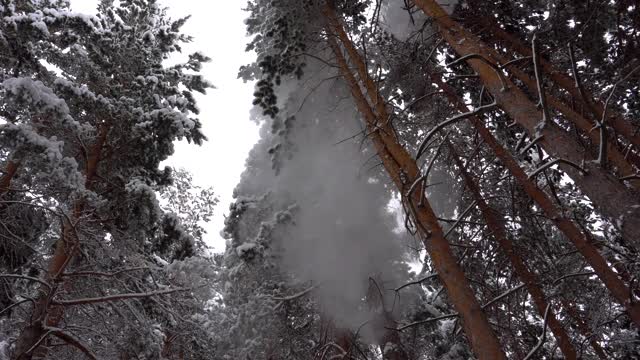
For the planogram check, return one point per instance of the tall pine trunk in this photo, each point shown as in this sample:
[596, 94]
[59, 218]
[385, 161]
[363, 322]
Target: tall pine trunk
[48, 315]
[404, 171]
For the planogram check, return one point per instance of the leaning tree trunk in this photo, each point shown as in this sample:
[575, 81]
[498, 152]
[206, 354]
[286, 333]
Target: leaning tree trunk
[530, 279]
[404, 171]
[611, 196]
[618, 122]
[582, 241]
[46, 314]
[613, 154]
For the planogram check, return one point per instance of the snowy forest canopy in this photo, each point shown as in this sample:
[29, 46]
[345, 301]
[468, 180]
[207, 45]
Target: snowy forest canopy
[433, 180]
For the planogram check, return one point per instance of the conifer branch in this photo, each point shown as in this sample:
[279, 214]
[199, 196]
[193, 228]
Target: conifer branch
[118, 297]
[543, 337]
[450, 121]
[554, 162]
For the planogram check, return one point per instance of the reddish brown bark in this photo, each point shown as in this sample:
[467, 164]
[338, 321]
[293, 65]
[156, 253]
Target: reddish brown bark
[403, 170]
[10, 172]
[530, 279]
[611, 197]
[614, 155]
[566, 82]
[46, 314]
[584, 328]
[582, 241]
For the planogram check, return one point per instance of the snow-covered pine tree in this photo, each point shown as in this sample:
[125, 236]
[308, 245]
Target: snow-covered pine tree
[94, 266]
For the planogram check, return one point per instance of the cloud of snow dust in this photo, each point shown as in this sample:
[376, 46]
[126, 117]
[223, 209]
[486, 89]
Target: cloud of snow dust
[342, 232]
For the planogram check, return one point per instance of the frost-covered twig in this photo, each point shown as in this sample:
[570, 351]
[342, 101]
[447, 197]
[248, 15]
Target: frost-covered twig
[416, 282]
[495, 67]
[630, 177]
[542, 101]
[543, 337]
[454, 119]
[503, 295]
[554, 162]
[118, 297]
[25, 277]
[531, 144]
[297, 295]
[564, 277]
[464, 213]
[105, 274]
[73, 341]
[426, 321]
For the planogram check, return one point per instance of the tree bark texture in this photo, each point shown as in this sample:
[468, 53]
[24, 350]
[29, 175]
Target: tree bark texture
[403, 170]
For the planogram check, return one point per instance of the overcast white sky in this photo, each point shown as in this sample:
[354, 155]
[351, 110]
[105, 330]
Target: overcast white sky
[218, 30]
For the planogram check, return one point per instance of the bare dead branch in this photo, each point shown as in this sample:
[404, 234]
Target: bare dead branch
[73, 341]
[564, 277]
[104, 274]
[543, 337]
[426, 321]
[118, 297]
[531, 144]
[630, 177]
[464, 213]
[15, 304]
[454, 119]
[602, 153]
[416, 282]
[542, 101]
[25, 277]
[297, 295]
[514, 61]
[554, 162]
[503, 295]
[497, 69]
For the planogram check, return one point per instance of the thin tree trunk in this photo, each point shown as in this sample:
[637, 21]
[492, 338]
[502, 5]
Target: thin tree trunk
[530, 279]
[611, 196]
[45, 314]
[403, 170]
[582, 241]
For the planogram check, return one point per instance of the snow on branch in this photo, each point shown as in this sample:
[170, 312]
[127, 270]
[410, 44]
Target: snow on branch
[454, 119]
[118, 297]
